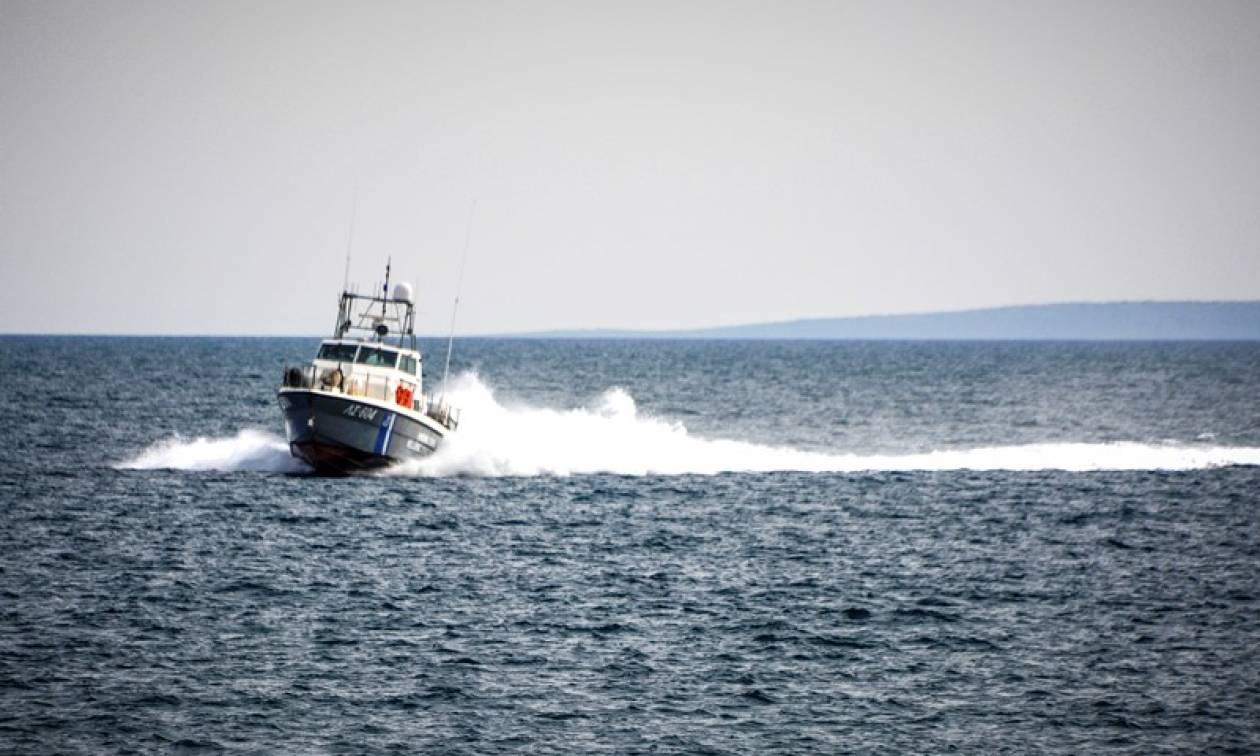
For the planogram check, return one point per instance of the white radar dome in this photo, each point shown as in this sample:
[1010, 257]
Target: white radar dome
[402, 292]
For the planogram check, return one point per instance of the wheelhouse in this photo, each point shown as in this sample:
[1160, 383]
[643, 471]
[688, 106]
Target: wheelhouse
[368, 355]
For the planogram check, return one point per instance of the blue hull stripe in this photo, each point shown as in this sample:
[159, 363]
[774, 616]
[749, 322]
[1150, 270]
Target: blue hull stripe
[382, 436]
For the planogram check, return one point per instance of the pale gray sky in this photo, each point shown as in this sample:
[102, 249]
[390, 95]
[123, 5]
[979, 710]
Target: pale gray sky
[189, 167]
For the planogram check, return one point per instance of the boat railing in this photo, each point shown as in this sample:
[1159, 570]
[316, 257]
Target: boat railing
[369, 386]
[438, 409]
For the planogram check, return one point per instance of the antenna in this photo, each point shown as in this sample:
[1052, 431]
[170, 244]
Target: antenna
[459, 285]
[385, 289]
[354, 211]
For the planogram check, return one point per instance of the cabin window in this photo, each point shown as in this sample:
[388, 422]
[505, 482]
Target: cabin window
[407, 364]
[377, 357]
[337, 352]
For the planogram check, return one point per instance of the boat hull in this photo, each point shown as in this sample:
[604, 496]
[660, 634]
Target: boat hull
[339, 434]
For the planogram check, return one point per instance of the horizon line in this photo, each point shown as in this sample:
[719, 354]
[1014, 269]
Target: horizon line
[665, 332]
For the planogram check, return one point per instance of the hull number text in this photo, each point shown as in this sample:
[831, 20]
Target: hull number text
[360, 411]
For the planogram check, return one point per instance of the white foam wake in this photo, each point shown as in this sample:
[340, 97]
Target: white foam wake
[247, 450]
[611, 436]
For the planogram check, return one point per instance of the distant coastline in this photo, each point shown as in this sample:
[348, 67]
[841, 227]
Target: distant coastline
[1071, 321]
[1237, 320]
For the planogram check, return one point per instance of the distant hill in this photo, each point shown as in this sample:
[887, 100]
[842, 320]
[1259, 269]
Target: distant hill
[1121, 321]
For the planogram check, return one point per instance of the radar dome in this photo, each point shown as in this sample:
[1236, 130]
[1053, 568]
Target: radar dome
[402, 292]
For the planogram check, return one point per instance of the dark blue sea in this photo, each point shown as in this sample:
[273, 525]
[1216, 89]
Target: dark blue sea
[639, 547]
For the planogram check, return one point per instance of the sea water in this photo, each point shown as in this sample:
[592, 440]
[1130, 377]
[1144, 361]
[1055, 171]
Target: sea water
[639, 546]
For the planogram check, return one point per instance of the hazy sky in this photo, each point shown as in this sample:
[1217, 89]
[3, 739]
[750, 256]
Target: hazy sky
[190, 167]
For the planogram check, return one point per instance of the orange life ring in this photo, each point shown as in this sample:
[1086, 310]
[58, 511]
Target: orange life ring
[402, 395]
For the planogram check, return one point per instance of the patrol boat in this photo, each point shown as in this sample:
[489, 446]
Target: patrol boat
[360, 404]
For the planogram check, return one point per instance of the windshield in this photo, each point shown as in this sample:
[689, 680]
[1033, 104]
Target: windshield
[377, 357]
[337, 352]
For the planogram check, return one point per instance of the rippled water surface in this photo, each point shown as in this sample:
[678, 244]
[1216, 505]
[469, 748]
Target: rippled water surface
[640, 547]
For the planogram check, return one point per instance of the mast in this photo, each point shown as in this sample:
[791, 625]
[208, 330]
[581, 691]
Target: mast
[385, 288]
[393, 309]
